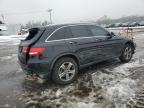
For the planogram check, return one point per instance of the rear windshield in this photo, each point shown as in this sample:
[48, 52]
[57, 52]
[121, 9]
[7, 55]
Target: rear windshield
[32, 33]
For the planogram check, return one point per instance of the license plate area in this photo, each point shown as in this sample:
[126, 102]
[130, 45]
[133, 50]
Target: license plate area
[32, 77]
[35, 78]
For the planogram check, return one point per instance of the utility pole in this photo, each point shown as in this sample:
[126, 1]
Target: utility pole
[3, 17]
[50, 10]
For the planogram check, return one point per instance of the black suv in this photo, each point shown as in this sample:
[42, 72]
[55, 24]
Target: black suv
[57, 52]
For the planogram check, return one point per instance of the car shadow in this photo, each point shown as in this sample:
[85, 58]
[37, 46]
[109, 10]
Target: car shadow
[111, 63]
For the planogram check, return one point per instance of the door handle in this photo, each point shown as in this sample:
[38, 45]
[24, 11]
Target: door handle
[72, 42]
[98, 39]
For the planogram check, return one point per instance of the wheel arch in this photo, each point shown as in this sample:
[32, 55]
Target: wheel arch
[131, 43]
[71, 55]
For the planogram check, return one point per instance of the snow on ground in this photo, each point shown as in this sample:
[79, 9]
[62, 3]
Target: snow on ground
[12, 39]
[105, 88]
[9, 40]
[8, 57]
[118, 86]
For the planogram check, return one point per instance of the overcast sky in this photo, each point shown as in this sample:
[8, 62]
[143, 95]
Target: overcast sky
[65, 11]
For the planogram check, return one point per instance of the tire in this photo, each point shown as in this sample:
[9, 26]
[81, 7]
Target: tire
[65, 71]
[127, 53]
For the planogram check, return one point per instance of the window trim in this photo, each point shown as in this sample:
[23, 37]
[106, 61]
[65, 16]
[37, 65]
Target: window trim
[47, 39]
[75, 38]
[56, 30]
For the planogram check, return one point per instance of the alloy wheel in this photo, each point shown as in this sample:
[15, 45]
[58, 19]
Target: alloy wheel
[66, 71]
[128, 53]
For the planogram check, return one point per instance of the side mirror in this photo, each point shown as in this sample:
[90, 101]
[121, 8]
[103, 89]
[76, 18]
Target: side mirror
[112, 33]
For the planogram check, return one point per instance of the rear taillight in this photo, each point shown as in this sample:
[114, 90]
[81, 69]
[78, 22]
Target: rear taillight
[24, 50]
[36, 51]
[32, 51]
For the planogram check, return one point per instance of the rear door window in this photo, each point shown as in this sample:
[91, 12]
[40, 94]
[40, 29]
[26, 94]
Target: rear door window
[63, 33]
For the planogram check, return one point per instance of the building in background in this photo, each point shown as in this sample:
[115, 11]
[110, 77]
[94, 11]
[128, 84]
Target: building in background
[3, 28]
[9, 29]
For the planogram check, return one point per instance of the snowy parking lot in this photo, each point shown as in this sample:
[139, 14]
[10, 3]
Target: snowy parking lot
[109, 84]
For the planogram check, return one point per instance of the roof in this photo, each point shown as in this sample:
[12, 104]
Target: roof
[68, 24]
[61, 25]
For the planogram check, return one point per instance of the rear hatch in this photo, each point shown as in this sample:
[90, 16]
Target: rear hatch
[24, 46]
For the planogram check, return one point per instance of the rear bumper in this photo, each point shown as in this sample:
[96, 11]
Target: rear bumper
[40, 69]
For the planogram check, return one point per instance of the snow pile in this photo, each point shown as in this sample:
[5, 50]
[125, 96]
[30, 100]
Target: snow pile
[10, 40]
[124, 69]
[116, 89]
[117, 84]
[9, 37]
[5, 58]
[122, 92]
[9, 57]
